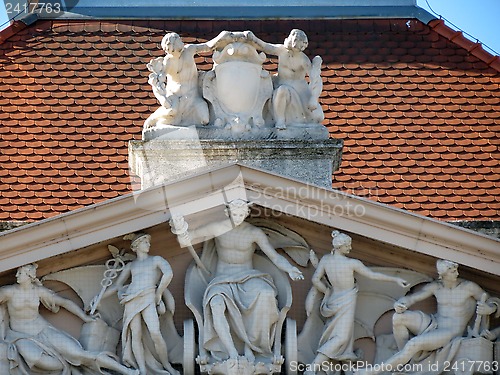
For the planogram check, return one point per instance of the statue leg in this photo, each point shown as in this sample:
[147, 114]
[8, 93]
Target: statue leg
[281, 98]
[201, 110]
[74, 353]
[430, 341]
[409, 322]
[136, 338]
[150, 317]
[29, 351]
[48, 363]
[221, 325]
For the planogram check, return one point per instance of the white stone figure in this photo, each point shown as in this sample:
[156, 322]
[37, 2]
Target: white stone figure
[237, 86]
[339, 301]
[36, 346]
[174, 79]
[240, 310]
[144, 298]
[295, 101]
[493, 334]
[419, 335]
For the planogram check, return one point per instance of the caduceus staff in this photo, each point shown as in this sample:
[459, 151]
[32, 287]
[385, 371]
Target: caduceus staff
[113, 267]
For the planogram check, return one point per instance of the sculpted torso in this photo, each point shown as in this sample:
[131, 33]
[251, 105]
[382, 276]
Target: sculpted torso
[235, 249]
[291, 66]
[145, 274]
[22, 306]
[340, 272]
[182, 75]
[455, 306]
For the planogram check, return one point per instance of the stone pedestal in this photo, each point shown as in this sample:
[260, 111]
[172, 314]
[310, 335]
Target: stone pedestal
[158, 161]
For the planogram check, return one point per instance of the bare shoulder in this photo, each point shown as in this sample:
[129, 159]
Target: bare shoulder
[433, 286]
[160, 260]
[327, 258]
[470, 285]
[7, 290]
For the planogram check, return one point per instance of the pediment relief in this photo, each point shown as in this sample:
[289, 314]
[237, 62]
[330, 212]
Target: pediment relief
[309, 225]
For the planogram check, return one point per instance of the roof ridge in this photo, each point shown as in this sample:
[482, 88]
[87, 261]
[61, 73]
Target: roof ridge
[17, 26]
[457, 37]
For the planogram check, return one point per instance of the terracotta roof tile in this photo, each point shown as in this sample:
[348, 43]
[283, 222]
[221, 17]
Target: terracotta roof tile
[419, 113]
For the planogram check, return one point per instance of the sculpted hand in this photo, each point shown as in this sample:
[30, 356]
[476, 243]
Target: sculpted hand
[88, 318]
[92, 303]
[178, 224]
[295, 274]
[488, 335]
[484, 309]
[179, 227]
[400, 307]
[161, 308]
[225, 37]
[250, 36]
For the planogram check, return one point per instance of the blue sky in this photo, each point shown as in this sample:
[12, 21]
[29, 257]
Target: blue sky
[480, 18]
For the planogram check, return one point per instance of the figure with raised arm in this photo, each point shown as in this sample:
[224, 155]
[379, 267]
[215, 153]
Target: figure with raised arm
[339, 301]
[295, 101]
[240, 308]
[36, 346]
[417, 334]
[144, 298]
[174, 78]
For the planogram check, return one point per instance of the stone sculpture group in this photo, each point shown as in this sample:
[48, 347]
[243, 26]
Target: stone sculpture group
[238, 94]
[238, 297]
[241, 314]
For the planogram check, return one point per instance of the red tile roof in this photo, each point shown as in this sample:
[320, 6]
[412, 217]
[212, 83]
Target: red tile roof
[417, 105]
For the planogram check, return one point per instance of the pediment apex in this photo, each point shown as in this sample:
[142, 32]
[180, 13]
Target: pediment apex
[215, 187]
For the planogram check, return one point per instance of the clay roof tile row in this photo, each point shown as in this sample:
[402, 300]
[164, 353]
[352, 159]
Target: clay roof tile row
[418, 107]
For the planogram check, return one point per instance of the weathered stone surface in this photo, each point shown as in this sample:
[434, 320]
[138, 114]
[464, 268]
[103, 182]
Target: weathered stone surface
[312, 161]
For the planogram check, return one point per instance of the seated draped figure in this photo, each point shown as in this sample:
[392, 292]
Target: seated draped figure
[240, 309]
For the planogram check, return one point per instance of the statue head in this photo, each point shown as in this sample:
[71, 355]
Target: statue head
[138, 239]
[172, 42]
[444, 266]
[28, 271]
[238, 210]
[341, 242]
[296, 40]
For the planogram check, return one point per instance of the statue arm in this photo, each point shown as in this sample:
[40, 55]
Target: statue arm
[426, 292]
[64, 303]
[186, 236]
[485, 306]
[318, 275]
[269, 48]
[224, 36]
[166, 278]
[367, 272]
[4, 294]
[280, 261]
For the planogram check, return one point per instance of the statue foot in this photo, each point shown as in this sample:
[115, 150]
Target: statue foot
[280, 125]
[249, 354]
[172, 371]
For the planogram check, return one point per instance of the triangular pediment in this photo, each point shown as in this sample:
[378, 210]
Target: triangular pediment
[72, 249]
